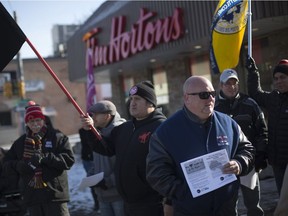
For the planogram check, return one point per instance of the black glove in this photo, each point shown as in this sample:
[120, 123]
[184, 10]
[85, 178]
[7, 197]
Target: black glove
[250, 64]
[24, 168]
[260, 162]
[102, 185]
[36, 159]
[48, 158]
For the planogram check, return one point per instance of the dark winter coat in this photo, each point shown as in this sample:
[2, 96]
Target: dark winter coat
[276, 105]
[130, 143]
[246, 112]
[86, 150]
[58, 158]
[107, 192]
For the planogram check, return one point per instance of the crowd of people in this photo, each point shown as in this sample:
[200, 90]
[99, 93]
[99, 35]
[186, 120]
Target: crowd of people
[162, 166]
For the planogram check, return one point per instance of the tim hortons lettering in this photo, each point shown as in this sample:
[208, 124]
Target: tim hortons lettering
[143, 36]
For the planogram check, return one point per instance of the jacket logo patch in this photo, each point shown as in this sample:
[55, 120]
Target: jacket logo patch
[222, 141]
[48, 144]
[144, 137]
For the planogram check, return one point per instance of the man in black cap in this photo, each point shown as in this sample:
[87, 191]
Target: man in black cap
[129, 142]
[276, 105]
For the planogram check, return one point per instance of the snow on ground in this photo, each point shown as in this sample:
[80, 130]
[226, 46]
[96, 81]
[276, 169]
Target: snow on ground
[82, 204]
[81, 201]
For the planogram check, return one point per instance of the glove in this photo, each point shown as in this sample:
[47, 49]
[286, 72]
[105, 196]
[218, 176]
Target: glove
[102, 185]
[260, 162]
[48, 158]
[250, 64]
[24, 168]
[36, 159]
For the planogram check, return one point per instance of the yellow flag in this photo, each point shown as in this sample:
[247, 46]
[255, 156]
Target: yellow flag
[227, 32]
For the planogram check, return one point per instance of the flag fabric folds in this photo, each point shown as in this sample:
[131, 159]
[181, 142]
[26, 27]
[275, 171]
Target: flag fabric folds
[12, 37]
[91, 90]
[227, 32]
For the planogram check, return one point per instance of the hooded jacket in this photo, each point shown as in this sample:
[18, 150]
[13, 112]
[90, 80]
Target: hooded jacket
[129, 142]
[106, 164]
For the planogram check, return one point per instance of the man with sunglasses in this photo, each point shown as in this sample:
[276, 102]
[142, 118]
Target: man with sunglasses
[246, 112]
[191, 132]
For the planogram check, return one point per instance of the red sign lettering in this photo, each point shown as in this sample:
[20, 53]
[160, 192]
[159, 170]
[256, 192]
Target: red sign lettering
[143, 36]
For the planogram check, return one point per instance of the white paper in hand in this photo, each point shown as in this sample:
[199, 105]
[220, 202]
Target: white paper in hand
[91, 180]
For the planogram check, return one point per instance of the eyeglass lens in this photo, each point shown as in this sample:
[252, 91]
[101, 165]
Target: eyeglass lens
[206, 95]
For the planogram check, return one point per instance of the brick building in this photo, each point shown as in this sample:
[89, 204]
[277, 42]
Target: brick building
[42, 88]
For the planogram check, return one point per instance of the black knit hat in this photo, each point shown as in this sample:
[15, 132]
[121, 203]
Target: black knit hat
[145, 89]
[282, 67]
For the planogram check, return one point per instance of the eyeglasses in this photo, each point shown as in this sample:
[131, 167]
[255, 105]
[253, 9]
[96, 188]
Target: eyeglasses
[204, 95]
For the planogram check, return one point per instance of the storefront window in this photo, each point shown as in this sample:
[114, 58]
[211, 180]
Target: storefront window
[161, 86]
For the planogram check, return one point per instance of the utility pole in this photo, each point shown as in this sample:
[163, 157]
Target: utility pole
[21, 89]
[20, 71]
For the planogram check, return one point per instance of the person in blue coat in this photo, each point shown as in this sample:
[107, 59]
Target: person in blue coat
[194, 131]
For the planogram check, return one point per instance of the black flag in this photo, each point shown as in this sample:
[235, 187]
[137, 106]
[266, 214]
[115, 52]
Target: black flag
[12, 37]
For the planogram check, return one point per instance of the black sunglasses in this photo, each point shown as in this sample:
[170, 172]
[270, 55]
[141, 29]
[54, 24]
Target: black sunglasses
[204, 95]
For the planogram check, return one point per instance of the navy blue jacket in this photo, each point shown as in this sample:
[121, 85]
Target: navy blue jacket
[181, 138]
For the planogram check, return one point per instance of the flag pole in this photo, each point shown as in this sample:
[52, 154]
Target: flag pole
[249, 29]
[62, 86]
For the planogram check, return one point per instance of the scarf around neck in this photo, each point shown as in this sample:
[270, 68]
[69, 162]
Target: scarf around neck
[33, 144]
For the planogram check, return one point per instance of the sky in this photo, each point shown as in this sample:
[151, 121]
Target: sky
[36, 19]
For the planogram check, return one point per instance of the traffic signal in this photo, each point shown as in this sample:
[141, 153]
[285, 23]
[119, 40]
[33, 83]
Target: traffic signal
[21, 89]
[7, 90]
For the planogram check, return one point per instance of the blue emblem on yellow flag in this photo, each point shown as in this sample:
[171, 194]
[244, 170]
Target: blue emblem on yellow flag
[227, 32]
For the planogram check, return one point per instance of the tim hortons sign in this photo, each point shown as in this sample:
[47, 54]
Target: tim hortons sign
[144, 35]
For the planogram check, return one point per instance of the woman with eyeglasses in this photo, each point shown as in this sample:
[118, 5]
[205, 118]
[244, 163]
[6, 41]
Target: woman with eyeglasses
[192, 132]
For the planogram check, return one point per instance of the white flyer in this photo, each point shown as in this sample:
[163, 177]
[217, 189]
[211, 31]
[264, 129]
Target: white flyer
[204, 174]
[91, 180]
[249, 180]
